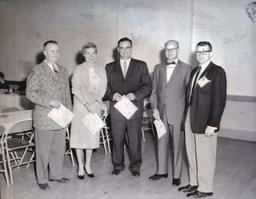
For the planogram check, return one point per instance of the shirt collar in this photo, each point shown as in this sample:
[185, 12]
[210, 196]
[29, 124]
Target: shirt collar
[203, 66]
[127, 61]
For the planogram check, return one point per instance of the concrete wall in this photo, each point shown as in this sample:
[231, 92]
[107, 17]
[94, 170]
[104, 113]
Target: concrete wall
[27, 24]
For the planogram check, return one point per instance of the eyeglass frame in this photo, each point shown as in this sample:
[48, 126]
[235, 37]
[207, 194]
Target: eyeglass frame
[171, 49]
[203, 52]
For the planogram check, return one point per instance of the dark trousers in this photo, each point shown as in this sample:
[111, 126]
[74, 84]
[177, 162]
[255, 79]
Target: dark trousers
[131, 129]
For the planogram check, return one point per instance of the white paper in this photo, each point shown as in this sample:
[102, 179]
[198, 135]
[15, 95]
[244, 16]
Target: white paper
[93, 122]
[201, 82]
[62, 116]
[126, 107]
[160, 128]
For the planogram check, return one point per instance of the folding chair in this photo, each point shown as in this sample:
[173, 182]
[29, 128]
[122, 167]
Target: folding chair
[105, 135]
[147, 121]
[68, 149]
[16, 148]
[3, 159]
[9, 109]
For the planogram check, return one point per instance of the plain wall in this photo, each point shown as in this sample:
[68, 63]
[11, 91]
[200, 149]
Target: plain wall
[27, 24]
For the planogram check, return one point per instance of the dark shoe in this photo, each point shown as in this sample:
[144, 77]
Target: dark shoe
[90, 175]
[44, 186]
[115, 172]
[199, 194]
[176, 181]
[62, 180]
[81, 177]
[158, 176]
[135, 173]
[188, 188]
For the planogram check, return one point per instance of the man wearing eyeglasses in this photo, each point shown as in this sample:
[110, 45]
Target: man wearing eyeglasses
[127, 77]
[205, 102]
[168, 103]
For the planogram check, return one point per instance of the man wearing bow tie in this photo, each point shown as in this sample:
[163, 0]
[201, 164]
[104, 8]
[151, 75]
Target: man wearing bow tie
[205, 102]
[168, 103]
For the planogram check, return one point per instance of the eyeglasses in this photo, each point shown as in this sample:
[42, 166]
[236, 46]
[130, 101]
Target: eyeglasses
[127, 48]
[171, 49]
[203, 52]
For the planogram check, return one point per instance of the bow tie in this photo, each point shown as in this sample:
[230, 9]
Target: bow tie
[173, 62]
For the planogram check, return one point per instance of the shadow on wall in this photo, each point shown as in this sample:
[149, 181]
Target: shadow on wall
[79, 58]
[162, 56]
[39, 57]
[115, 54]
[192, 60]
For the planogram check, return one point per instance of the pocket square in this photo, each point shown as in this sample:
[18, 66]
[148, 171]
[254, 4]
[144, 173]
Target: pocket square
[201, 82]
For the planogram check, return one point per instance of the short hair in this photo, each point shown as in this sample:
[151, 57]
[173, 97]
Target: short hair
[205, 43]
[177, 43]
[2, 74]
[50, 42]
[124, 39]
[88, 45]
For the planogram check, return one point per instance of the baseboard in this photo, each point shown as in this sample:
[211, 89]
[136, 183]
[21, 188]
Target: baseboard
[237, 134]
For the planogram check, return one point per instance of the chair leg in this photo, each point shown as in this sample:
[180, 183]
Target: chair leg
[72, 157]
[31, 158]
[9, 167]
[5, 169]
[104, 141]
[143, 136]
[108, 141]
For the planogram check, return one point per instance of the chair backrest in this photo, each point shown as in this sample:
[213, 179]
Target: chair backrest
[21, 126]
[9, 109]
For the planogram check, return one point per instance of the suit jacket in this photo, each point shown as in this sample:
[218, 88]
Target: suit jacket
[170, 96]
[209, 100]
[137, 81]
[42, 87]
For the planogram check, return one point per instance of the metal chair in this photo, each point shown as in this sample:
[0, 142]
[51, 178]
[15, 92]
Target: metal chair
[16, 148]
[3, 160]
[104, 134]
[147, 121]
[68, 149]
[9, 109]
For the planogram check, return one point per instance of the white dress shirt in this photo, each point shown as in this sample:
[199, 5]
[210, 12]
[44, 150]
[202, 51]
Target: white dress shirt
[51, 66]
[127, 64]
[169, 70]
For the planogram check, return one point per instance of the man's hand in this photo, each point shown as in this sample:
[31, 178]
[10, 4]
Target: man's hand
[209, 131]
[156, 114]
[131, 96]
[117, 97]
[55, 104]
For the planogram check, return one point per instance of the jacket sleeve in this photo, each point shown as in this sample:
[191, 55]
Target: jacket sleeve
[109, 93]
[34, 91]
[153, 96]
[146, 85]
[218, 98]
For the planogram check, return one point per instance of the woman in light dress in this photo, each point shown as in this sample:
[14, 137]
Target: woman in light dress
[89, 84]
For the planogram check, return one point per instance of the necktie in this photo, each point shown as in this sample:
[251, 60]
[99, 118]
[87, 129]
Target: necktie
[55, 69]
[194, 83]
[125, 68]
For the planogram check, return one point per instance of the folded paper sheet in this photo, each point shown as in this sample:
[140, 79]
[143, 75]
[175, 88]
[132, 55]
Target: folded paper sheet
[62, 116]
[160, 128]
[126, 107]
[93, 122]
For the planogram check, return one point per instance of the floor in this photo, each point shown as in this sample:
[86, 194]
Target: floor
[235, 177]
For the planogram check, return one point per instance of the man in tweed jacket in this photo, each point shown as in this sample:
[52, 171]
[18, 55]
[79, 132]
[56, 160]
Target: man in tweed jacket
[48, 87]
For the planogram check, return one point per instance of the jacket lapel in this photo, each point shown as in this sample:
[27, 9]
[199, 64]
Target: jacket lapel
[174, 73]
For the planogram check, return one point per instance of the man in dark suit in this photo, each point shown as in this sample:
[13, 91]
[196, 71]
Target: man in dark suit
[205, 102]
[129, 77]
[168, 103]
